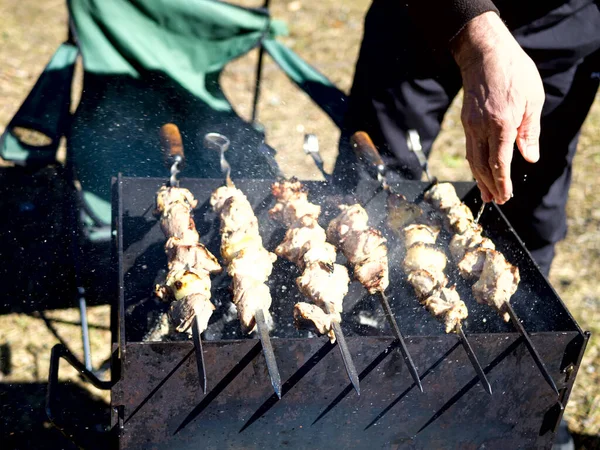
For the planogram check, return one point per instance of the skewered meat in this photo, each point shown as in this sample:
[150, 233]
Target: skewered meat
[446, 305]
[426, 283]
[253, 262]
[303, 235]
[168, 196]
[250, 295]
[442, 196]
[424, 263]
[469, 240]
[187, 285]
[471, 264]
[183, 312]
[322, 281]
[419, 233]
[424, 256]
[497, 279]
[292, 203]
[364, 247]
[323, 286]
[307, 316]
[459, 218]
[352, 218]
[194, 256]
[498, 282]
[248, 262]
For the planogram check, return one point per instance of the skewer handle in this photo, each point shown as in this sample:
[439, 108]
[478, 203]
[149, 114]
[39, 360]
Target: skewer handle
[366, 152]
[171, 144]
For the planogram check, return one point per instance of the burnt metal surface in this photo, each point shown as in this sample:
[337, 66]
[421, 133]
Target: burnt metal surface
[164, 407]
[159, 404]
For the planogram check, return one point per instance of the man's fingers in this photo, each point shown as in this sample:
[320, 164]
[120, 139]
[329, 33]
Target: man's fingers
[500, 156]
[477, 155]
[529, 134]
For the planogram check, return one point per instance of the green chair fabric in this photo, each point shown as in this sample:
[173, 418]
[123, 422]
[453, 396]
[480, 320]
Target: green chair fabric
[148, 62]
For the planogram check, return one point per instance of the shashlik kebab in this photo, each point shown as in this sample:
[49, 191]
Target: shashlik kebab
[187, 282]
[187, 285]
[365, 248]
[323, 282]
[249, 265]
[424, 264]
[477, 259]
[475, 255]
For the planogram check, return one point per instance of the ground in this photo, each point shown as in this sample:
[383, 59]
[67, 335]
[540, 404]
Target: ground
[326, 33]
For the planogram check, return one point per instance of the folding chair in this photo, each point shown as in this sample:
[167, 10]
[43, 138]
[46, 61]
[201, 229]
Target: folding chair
[147, 63]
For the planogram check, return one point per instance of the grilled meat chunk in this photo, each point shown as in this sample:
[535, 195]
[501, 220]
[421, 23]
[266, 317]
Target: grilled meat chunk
[252, 262]
[426, 283]
[442, 196]
[177, 221]
[419, 233]
[352, 218]
[424, 256]
[250, 294]
[459, 218]
[292, 203]
[364, 247]
[446, 305]
[323, 286]
[471, 265]
[497, 283]
[195, 256]
[313, 318]
[469, 240]
[305, 234]
[183, 312]
[167, 196]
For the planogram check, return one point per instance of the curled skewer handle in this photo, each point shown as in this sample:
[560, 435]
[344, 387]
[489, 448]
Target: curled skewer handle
[171, 144]
[366, 152]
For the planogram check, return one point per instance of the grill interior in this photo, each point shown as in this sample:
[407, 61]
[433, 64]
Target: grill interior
[144, 260]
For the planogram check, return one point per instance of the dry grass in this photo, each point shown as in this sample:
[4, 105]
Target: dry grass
[327, 33]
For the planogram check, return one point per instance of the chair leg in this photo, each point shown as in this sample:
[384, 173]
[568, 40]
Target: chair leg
[85, 332]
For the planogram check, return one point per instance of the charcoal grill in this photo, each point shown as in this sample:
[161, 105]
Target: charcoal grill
[155, 396]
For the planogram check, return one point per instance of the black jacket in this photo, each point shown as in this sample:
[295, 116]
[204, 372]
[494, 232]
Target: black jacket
[441, 20]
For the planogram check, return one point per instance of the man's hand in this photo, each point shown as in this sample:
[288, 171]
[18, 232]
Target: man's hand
[503, 98]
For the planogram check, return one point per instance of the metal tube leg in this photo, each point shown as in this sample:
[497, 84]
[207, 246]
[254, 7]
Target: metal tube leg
[85, 332]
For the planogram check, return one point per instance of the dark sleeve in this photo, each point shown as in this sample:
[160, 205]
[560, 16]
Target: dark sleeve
[441, 20]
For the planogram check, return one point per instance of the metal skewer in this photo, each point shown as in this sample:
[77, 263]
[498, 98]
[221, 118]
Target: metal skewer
[473, 358]
[199, 354]
[267, 346]
[479, 213]
[398, 335]
[346, 356]
[311, 147]
[532, 350]
[220, 143]
[172, 147]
